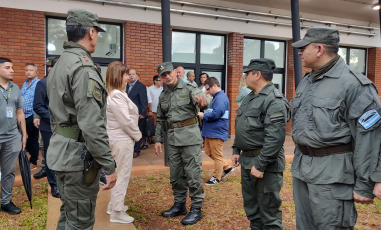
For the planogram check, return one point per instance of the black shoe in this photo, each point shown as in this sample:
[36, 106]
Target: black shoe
[193, 216]
[144, 147]
[136, 155]
[10, 208]
[55, 192]
[102, 180]
[40, 174]
[178, 209]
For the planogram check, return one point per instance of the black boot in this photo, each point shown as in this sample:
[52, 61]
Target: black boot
[193, 216]
[178, 209]
[40, 174]
[55, 191]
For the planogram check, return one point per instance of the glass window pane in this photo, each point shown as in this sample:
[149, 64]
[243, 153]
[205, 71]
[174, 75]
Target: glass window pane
[275, 50]
[278, 81]
[103, 72]
[56, 36]
[357, 59]
[343, 53]
[183, 47]
[212, 49]
[215, 74]
[108, 45]
[251, 50]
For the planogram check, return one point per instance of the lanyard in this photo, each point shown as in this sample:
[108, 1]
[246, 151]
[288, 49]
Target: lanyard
[5, 95]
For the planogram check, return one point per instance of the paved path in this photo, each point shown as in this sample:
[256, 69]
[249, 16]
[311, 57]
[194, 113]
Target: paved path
[147, 163]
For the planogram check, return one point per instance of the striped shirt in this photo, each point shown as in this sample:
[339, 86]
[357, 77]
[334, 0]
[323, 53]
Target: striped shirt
[27, 93]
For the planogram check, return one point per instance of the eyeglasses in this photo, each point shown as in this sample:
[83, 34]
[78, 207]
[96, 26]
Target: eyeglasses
[207, 89]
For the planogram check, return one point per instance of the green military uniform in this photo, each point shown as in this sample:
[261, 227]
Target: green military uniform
[260, 135]
[77, 98]
[335, 127]
[177, 113]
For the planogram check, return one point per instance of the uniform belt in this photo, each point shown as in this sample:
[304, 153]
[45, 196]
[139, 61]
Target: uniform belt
[326, 151]
[251, 153]
[70, 132]
[183, 123]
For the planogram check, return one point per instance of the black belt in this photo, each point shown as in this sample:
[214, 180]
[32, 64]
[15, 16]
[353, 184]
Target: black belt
[326, 151]
[183, 123]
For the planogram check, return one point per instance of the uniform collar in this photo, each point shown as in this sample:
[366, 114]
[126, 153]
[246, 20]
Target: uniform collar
[69, 45]
[335, 71]
[267, 89]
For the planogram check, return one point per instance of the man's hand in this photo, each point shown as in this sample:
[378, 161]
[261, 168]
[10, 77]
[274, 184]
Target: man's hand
[111, 180]
[24, 138]
[36, 123]
[362, 200]
[149, 114]
[158, 148]
[201, 100]
[235, 158]
[377, 190]
[201, 115]
[141, 116]
[256, 173]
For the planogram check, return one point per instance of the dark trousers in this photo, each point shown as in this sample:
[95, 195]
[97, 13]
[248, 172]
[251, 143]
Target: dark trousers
[32, 141]
[142, 127]
[49, 173]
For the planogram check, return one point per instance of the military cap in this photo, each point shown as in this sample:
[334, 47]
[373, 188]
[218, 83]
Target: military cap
[84, 18]
[262, 64]
[165, 67]
[51, 61]
[324, 35]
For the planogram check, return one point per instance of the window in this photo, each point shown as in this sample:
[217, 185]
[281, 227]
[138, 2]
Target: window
[254, 48]
[355, 57]
[201, 53]
[109, 47]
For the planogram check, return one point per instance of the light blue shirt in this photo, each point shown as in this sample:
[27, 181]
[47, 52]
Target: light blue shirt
[27, 93]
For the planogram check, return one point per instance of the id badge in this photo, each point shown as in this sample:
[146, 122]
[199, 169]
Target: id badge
[9, 112]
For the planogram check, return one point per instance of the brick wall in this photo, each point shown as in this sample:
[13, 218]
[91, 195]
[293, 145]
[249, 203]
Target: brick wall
[374, 67]
[22, 39]
[143, 49]
[234, 66]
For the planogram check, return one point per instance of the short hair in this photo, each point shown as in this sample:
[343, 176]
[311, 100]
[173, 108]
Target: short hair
[77, 32]
[155, 77]
[212, 81]
[331, 49]
[32, 64]
[190, 73]
[268, 76]
[3, 59]
[207, 76]
[114, 75]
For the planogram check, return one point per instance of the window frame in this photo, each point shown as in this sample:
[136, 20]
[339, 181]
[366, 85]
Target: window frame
[348, 57]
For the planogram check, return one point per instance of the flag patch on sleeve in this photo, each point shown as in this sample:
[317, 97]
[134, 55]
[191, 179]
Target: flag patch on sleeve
[369, 118]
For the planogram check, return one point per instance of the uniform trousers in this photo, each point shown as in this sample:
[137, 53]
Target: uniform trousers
[49, 173]
[122, 152]
[78, 201]
[213, 148]
[323, 206]
[261, 199]
[9, 152]
[32, 145]
[186, 173]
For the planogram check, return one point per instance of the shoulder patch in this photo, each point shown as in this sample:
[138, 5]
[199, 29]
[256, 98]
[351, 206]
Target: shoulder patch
[95, 90]
[86, 61]
[277, 93]
[369, 118]
[362, 78]
[277, 117]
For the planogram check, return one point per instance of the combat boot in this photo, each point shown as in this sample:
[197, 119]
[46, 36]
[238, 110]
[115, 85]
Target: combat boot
[193, 216]
[178, 209]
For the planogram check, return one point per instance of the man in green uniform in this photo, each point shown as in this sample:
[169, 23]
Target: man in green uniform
[336, 127]
[177, 113]
[77, 106]
[258, 146]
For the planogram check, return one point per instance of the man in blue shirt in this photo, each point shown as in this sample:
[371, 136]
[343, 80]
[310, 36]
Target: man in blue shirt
[27, 93]
[215, 129]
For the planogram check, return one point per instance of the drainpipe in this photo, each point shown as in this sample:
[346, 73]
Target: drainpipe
[295, 38]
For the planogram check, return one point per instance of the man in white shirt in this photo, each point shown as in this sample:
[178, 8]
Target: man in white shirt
[154, 92]
[191, 77]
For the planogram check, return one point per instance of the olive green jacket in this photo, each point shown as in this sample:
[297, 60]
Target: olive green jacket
[329, 112]
[178, 104]
[261, 124]
[77, 99]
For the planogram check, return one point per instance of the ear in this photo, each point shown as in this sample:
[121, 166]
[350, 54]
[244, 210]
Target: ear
[92, 33]
[321, 50]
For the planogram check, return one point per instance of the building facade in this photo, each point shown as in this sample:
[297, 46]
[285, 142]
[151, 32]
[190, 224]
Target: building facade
[217, 37]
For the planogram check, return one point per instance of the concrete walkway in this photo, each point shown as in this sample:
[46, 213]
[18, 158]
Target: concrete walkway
[146, 164]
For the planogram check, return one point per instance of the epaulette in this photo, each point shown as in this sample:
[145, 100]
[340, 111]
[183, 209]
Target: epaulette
[277, 93]
[362, 78]
[86, 61]
[190, 84]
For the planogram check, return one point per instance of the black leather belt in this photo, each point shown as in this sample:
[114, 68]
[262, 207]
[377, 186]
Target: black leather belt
[326, 151]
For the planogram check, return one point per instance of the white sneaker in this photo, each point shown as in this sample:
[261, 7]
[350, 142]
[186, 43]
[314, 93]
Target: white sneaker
[109, 209]
[226, 172]
[121, 217]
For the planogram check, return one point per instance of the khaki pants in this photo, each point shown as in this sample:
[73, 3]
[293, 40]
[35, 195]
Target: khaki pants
[122, 152]
[213, 148]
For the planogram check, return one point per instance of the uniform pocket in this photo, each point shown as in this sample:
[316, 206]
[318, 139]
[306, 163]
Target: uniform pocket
[182, 102]
[84, 210]
[254, 119]
[326, 114]
[345, 210]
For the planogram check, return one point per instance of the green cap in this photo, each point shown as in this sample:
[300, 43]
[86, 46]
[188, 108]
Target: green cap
[165, 67]
[324, 35]
[262, 64]
[84, 18]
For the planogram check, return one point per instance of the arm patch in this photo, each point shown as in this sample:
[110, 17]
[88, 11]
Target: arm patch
[369, 118]
[277, 117]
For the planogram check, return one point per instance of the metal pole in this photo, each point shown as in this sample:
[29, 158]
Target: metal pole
[379, 14]
[166, 37]
[295, 38]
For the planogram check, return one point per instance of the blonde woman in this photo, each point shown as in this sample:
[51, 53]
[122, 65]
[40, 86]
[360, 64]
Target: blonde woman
[243, 90]
[123, 131]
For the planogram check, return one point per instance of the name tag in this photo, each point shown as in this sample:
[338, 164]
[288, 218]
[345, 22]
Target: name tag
[9, 111]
